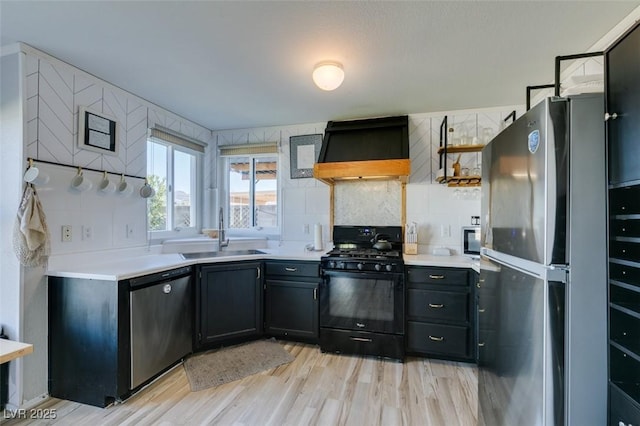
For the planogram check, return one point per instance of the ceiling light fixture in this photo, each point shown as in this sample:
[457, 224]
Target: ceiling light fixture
[328, 75]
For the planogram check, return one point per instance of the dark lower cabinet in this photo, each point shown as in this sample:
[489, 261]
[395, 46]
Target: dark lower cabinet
[291, 300]
[624, 306]
[229, 303]
[89, 339]
[440, 313]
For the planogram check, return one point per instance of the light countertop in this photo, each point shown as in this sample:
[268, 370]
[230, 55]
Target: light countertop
[119, 268]
[133, 266]
[441, 261]
[10, 350]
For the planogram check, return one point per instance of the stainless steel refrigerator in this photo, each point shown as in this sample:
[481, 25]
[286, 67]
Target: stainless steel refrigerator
[542, 295]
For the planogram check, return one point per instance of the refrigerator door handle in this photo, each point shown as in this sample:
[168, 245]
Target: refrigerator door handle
[545, 272]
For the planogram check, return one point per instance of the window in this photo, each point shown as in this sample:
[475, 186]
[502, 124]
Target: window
[249, 196]
[173, 170]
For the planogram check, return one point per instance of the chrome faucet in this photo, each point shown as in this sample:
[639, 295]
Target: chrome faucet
[221, 241]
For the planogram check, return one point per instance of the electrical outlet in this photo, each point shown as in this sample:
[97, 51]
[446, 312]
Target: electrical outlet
[87, 233]
[445, 231]
[306, 228]
[66, 233]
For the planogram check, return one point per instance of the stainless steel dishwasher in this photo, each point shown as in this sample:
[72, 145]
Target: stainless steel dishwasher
[160, 312]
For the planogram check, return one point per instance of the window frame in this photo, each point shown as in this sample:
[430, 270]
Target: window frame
[224, 193]
[197, 197]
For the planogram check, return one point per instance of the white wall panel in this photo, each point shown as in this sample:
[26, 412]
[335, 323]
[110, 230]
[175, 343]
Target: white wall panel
[55, 91]
[420, 149]
[136, 139]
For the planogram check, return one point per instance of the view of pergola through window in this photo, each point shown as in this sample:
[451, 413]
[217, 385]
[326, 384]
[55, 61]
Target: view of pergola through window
[253, 197]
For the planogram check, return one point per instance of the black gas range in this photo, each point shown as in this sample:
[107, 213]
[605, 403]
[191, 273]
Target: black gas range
[365, 259]
[362, 292]
[354, 249]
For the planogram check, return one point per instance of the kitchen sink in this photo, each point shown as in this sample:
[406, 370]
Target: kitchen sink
[222, 253]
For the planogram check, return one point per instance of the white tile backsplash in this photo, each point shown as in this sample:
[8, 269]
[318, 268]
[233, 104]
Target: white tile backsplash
[107, 215]
[377, 203]
[434, 208]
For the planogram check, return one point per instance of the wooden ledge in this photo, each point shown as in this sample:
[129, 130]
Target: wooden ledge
[10, 350]
[329, 173]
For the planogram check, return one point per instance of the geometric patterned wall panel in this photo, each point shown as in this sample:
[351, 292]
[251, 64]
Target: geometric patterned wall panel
[56, 90]
[54, 93]
[136, 139]
[55, 113]
[31, 75]
[89, 94]
[420, 148]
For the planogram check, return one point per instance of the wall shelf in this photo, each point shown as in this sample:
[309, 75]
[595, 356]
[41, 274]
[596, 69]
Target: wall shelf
[453, 149]
[445, 149]
[460, 181]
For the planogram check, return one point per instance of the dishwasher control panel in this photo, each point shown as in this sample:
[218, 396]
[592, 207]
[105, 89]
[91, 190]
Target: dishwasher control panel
[159, 277]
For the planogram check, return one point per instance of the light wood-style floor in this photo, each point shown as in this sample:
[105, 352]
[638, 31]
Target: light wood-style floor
[315, 389]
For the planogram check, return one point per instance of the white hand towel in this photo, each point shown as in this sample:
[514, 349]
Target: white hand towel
[31, 235]
[31, 224]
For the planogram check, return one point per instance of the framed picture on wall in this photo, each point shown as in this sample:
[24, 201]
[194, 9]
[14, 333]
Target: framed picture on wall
[303, 153]
[97, 131]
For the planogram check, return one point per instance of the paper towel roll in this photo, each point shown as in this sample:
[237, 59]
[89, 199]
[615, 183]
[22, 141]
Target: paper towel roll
[317, 237]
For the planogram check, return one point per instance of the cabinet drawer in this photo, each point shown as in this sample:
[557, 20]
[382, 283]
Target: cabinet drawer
[625, 228]
[624, 410]
[448, 276]
[293, 269]
[624, 250]
[438, 305]
[624, 369]
[624, 273]
[624, 329]
[624, 200]
[448, 340]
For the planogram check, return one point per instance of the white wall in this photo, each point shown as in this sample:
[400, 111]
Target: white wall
[305, 201]
[40, 100]
[11, 148]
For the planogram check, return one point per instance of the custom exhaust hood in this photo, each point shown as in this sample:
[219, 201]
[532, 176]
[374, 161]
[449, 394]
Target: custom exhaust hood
[376, 148]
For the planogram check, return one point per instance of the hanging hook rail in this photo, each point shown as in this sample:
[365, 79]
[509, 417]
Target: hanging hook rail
[80, 169]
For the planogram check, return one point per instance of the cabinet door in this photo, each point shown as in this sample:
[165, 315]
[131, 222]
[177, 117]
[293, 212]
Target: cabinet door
[622, 65]
[89, 354]
[292, 309]
[229, 302]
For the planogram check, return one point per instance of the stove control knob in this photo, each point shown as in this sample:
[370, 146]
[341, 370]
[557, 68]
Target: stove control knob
[360, 266]
[332, 264]
[389, 267]
[378, 267]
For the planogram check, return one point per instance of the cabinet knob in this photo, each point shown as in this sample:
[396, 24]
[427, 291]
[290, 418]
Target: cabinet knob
[436, 277]
[290, 269]
[436, 338]
[608, 116]
[436, 305]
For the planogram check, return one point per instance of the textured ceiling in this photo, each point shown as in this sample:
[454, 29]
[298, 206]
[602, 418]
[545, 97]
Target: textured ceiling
[248, 64]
